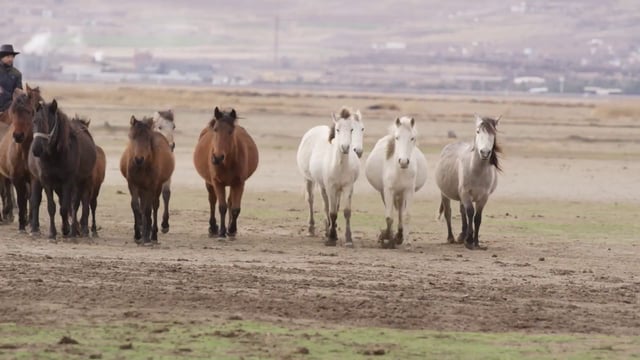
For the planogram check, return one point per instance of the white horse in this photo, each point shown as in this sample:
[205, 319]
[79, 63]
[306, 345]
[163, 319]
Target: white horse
[164, 124]
[397, 169]
[468, 173]
[329, 157]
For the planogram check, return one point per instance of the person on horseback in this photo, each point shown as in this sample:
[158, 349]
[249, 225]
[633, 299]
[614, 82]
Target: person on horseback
[10, 77]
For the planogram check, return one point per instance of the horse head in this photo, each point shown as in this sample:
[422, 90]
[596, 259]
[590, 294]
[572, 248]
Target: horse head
[223, 125]
[21, 111]
[164, 124]
[485, 141]
[50, 130]
[404, 140]
[140, 136]
[341, 131]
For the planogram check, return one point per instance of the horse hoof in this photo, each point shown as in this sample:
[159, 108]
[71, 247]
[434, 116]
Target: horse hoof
[330, 243]
[22, 231]
[36, 234]
[469, 245]
[165, 230]
[349, 244]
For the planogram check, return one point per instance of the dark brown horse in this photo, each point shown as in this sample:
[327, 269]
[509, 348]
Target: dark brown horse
[147, 162]
[61, 160]
[225, 155]
[97, 175]
[14, 150]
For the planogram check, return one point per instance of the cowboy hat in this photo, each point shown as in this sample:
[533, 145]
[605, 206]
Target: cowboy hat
[7, 49]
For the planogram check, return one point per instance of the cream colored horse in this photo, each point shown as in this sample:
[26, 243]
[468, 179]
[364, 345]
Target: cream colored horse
[397, 169]
[329, 157]
[468, 172]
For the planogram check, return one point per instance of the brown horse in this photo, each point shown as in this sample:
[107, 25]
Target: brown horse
[14, 150]
[225, 155]
[147, 162]
[61, 160]
[97, 175]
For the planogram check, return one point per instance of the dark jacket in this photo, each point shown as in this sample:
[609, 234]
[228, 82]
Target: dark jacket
[10, 79]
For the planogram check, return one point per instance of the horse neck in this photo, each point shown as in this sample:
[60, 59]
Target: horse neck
[475, 162]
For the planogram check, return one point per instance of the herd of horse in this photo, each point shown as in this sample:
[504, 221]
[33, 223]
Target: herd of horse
[41, 148]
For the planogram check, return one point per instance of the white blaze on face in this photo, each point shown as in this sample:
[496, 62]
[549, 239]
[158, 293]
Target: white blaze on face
[343, 130]
[484, 140]
[405, 140]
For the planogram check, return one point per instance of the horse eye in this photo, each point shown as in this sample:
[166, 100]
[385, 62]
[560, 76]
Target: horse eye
[351, 130]
[397, 138]
[362, 129]
[160, 128]
[337, 130]
[215, 130]
[413, 139]
[477, 131]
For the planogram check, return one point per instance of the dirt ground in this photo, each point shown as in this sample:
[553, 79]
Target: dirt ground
[552, 264]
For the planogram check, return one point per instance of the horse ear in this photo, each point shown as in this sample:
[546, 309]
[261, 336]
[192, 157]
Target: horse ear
[413, 122]
[233, 114]
[133, 120]
[358, 115]
[217, 113]
[478, 119]
[397, 121]
[333, 116]
[498, 120]
[28, 87]
[39, 106]
[54, 106]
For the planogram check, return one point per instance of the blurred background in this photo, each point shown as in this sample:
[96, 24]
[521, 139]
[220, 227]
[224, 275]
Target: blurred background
[503, 47]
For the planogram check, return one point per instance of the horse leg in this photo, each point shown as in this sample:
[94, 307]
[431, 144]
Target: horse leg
[21, 195]
[213, 227]
[94, 204]
[347, 218]
[325, 201]
[222, 207]
[154, 229]
[166, 195]
[463, 217]
[312, 223]
[388, 213]
[399, 204]
[445, 207]
[135, 208]
[404, 216]
[51, 208]
[146, 203]
[36, 199]
[477, 220]
[10, 201]
[468, 239]
[84, 220]
[334, 196]
[75, 205]
[235, 197]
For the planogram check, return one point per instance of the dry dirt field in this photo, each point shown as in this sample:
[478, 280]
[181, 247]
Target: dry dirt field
[561, 229]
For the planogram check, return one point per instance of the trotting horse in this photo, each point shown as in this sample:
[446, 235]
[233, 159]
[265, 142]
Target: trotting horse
[225, 155]
[163, 122]
[97, 176]
[397, 169]
[146, 163]
[61, 159]
[467, 172]
[14, 152]
[327, 157]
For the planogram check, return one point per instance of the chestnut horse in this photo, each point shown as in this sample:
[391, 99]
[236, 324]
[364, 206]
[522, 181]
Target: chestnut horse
[61, 160]
[14, 151]
[97, 176]
[225, 155]
[147, 163]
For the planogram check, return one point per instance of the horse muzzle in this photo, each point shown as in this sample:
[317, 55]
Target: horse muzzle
[404, 163]
[217, 160]
[358, 152]
[138, 160]
[173, 146]
[485, 155]
[18, 137]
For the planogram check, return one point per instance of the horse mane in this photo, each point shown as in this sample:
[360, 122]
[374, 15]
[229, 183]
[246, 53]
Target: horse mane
[20, 103]
[62, 140]
[391, 147]
[490, 126]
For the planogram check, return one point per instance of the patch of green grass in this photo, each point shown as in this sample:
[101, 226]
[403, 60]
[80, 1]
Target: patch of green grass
[248, 339]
